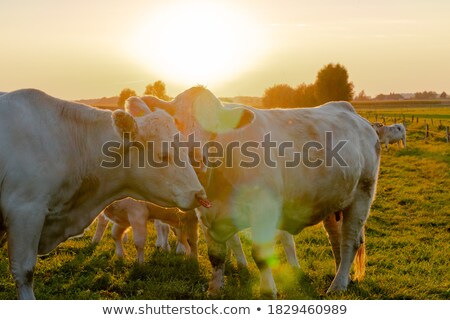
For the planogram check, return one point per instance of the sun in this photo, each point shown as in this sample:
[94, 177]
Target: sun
[196, 43]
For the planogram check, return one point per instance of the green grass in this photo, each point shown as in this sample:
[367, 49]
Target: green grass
[407, 237]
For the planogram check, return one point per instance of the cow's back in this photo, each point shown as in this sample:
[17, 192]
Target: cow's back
[308, 194]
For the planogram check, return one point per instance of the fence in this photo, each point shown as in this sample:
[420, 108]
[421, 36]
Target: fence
[442, 126]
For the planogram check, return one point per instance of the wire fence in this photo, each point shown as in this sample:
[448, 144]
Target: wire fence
[429, 127]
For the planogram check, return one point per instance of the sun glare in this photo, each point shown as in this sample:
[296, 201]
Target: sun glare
[201, 43]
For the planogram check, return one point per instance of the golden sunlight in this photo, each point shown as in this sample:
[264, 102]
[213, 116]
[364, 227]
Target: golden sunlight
[201, 43]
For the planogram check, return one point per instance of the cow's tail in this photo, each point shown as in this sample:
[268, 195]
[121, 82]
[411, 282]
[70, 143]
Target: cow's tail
[360, 259]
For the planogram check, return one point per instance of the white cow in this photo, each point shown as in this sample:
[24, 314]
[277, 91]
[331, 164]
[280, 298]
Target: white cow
[281, 192]
[128, 213]
[54, 178]
[390, 134]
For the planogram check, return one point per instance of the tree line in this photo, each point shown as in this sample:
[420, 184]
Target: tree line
[420, 95]
[157, 89]
[332, 84]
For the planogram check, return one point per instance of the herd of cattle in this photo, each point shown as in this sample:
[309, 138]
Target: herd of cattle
[53, 186]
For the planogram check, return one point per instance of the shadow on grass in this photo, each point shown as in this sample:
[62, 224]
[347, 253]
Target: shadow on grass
[82, 272]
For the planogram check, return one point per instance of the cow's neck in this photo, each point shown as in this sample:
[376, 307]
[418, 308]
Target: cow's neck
[94, 189]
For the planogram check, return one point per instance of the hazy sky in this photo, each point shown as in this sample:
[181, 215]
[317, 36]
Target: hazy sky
[87, 49]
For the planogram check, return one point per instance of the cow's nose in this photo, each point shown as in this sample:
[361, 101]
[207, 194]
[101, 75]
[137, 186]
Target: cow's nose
[202, 199]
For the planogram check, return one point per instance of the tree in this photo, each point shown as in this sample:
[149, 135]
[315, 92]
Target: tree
[280, 95]
[332, 84]
[390, 96]
[124, 95]
[362, 96]
[157, 89]
[305, 96]
[443, 95]
[425, 95]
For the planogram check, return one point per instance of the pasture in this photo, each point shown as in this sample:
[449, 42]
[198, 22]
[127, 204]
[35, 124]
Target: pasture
[407, 242]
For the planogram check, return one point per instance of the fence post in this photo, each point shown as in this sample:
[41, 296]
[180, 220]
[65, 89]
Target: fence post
[376, 117]
[412, 119]
[446, 134]
[395, 120]
[426, 132]
[432, 122]
[417, 119]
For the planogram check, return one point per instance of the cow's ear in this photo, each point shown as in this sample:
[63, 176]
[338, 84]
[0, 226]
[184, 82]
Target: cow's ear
[154, 102]
[246, 117]
[124, 124]
[136, 107]
[213, 116]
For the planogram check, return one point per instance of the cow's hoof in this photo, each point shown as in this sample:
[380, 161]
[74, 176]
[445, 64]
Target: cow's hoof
[336, 288]
[268, 295]
[214, 291]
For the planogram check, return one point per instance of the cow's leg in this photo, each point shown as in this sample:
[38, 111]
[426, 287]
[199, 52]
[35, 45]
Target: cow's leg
[191, 226]
[117, 232]
[217, 253]
[287, 240]
[23, 232]
[235, 246]
[139, 225]
[162, 235]
[263, 254]
[266, 210]
[352, 235]
[183, 245]
[333, 228]
[180, 246]
[125, 236]
[404, 142]
[102, 223]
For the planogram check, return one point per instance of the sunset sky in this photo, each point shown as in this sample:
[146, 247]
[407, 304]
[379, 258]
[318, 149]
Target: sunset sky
[89, 49]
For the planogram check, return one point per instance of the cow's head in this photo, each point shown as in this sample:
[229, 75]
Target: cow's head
[197, 111]
[377, 126]
[167, 185]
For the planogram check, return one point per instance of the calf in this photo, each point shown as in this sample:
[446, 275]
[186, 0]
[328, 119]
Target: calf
[390, 134]
[128, 213]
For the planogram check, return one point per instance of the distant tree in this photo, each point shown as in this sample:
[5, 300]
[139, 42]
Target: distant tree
[305, 96]
[280, 95]
[390, 96]
[425, 95]
[332, 84]
[124, 95]
[362, 96]
[443, 95]
[157, 89]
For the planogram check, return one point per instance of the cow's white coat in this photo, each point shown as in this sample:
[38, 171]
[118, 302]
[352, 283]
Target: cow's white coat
[290, 199]
[51, 183]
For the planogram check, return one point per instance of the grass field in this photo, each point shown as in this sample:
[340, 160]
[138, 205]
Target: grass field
[407, 237]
